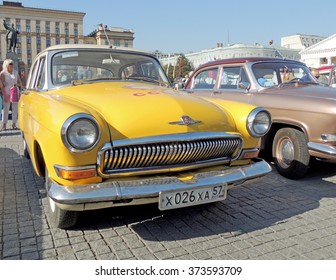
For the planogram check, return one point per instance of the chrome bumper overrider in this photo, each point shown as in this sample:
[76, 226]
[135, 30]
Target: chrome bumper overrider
[127, 192]
[323, 149]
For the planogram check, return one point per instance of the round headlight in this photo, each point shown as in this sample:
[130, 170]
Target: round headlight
[80, 133]
[259, 122]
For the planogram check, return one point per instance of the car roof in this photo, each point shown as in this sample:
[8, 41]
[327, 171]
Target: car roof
[326, 67]
[93, 47]
[244, 60]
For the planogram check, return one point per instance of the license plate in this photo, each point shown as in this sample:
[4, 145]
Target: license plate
[188, 197]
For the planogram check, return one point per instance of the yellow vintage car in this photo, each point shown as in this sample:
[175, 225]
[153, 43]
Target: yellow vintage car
[104, 127]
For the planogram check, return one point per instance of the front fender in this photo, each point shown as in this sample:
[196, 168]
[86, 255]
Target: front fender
[239, 112]
[42, 132]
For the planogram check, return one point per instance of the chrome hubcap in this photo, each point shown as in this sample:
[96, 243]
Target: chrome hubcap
[285, 152]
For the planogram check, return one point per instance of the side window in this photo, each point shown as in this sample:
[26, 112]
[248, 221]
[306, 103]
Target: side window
[206, 79]
[231, 77]
[31, 82]
[41, 74]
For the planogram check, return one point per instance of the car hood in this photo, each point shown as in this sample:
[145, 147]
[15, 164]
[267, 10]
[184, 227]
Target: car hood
[135, 110]
[308, 91]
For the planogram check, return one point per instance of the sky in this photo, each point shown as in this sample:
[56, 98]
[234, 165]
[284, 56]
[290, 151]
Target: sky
[174, 26]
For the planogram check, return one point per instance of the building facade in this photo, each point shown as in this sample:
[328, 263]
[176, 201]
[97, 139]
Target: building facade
[300, 41]
[114, 36]
[231, 51]
[40, 28]
[322, 53]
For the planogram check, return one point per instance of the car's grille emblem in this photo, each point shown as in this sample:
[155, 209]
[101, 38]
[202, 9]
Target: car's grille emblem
[185, 120]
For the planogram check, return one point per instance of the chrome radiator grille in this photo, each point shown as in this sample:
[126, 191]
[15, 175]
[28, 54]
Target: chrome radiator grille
[169, 155]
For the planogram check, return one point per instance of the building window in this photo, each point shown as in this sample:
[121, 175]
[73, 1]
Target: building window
[28, 40]
[47, 27]
[76, 41]
[57, 28]
[66, 29]
[48, 43]
[38, 27]
[58, 41]
[38, 41]
[29, 51]
[18, 25]
[28, 26]
[66, 41]
[76, 29]
[126, 44]
[116, 43]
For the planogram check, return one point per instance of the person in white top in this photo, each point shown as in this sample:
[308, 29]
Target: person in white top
[9, 78]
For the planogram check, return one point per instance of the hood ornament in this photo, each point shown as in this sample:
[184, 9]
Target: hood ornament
[185, 120]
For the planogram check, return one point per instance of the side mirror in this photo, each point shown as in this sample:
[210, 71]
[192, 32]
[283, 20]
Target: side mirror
[245, 85]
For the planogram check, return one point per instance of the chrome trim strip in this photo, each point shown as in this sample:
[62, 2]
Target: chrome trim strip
[324, 149]
[149, 187]
[182, 137]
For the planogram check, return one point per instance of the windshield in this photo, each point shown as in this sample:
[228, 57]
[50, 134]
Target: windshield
[270, 74]
[86, 65]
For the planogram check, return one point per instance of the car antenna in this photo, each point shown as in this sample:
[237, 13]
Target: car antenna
[277, 52]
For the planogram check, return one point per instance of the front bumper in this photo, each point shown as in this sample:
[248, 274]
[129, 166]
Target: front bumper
[322, 150]
[146, 190]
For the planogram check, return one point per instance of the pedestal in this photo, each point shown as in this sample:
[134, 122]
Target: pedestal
[13, 56]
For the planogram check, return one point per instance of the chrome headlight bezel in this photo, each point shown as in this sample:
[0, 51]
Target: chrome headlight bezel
[66, 128]
[258, 122]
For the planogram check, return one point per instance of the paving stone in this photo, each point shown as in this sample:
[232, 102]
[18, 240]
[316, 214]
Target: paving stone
[273, 218]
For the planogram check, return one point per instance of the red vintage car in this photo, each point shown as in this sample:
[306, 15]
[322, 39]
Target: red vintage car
[328, 75]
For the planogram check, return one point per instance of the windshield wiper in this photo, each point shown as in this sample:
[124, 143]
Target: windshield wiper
[296, 81]
[148, 79]
[87, 81]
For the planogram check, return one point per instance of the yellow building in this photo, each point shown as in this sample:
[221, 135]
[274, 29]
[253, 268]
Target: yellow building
[40, 28]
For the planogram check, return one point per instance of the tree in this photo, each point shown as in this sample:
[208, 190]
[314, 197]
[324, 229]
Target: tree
[182, 67]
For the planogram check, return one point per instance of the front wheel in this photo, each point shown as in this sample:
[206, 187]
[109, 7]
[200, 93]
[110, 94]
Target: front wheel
[290, 153]
[25, 149]
[60, 218]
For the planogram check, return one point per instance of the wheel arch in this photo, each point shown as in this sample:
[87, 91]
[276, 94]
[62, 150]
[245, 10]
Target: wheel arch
[39, 162]
[267, 140]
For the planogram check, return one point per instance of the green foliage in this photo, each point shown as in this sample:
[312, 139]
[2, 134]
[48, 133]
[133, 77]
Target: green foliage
[182, 67]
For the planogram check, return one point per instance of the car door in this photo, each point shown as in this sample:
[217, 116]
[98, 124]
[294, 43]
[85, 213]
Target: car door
[227, 82]
[28, 108]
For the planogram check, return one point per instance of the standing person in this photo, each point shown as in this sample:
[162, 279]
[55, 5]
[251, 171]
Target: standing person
[0, 99]
[316, 73]
[9, 78]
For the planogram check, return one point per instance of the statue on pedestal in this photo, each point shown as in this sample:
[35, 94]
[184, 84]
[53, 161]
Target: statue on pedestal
[11, 37]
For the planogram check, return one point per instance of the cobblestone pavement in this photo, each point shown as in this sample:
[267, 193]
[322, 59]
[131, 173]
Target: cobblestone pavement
[273, 218]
